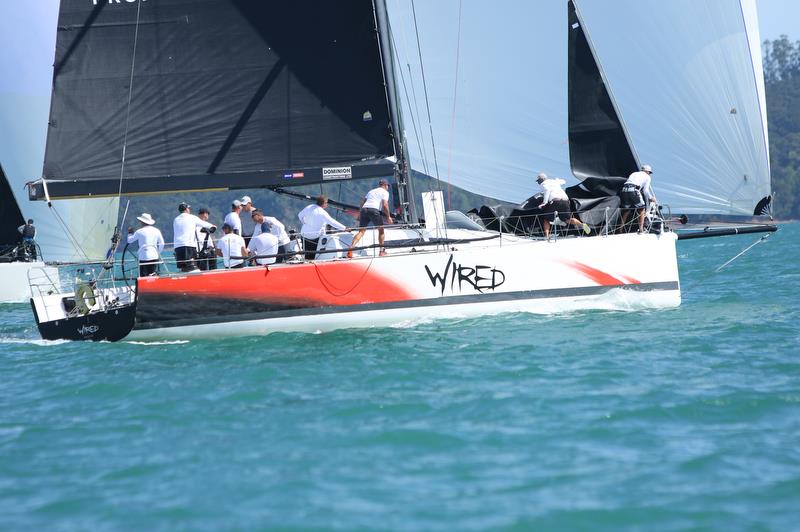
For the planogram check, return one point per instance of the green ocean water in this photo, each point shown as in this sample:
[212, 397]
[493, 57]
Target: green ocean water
[665, 420]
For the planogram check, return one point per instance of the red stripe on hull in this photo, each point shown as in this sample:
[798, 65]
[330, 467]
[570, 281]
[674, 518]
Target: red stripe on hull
[598, 276]
[301, 285]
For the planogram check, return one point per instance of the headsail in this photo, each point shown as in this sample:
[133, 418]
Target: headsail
[687, 78]
[215, 94]
[10, 215]
[24, 104]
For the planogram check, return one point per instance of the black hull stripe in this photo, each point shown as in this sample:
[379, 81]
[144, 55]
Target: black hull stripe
[415, 303]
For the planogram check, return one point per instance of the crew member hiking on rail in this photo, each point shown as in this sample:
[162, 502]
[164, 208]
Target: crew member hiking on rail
[373, 207]
[151, 244]
[555, 200]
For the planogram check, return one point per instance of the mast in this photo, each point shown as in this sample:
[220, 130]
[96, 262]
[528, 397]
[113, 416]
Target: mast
[402, 175]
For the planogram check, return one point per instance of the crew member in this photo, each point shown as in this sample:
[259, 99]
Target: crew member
[264, 245]
[276, 228]
[151, 244]
[555, 200]
[28, 232]
[373, 207]
[231, 248]
[314, 219]
[233, 219]
[184, 229]
[247, 212]
[206, 254]
[638, 183]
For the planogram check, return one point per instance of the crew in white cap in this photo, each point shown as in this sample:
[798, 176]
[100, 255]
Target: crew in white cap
[245, 215]
[638, 183]
[232, 218]
[556, 202]
[151, 244]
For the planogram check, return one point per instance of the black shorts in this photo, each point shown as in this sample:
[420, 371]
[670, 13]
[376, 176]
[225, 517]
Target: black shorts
[370, 216]
[631, 198]
[561, 207]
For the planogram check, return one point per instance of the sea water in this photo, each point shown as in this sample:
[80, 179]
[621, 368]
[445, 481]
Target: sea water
[671, 419]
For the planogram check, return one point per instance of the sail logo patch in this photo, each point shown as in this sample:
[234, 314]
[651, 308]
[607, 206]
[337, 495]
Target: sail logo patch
[339, 172]
[95, 2]
[294, 175]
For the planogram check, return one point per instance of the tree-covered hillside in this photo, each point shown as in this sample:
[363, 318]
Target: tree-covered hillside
[782, 77]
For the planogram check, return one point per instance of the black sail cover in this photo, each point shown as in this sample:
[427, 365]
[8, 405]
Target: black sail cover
[224, 94]
[10, 215]
[598, 146]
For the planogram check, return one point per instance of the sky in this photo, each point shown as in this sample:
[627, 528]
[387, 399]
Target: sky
[778, 17]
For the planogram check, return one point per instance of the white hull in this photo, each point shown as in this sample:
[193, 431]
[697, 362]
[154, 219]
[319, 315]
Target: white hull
[15, 276]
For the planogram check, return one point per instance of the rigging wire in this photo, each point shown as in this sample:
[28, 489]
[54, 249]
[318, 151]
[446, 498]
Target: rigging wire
[411, 109]
[455, 99]
[427, 100]
[130, 97]
[745, 250]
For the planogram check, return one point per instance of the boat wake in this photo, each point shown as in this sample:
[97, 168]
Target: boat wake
[32, 341]
[159, 342]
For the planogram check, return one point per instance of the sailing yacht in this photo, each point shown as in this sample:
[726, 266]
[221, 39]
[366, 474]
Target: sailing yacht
[166, 95]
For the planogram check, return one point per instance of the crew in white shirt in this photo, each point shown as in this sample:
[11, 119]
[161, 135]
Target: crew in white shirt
[314, 219]
[374, 206]
[184, 229]
[264, 243]
[233, 219]
[638, 183]
[555, 200]
[151, 244]
[229, 246]
[275, 227]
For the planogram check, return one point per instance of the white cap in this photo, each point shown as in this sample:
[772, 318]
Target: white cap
[237, 203]
[647, 168]
[146, 219]
[245, 200]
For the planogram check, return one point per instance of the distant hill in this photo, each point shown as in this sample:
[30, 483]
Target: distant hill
[782, 77]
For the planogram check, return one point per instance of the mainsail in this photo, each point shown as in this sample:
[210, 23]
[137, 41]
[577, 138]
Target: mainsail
[173, 95]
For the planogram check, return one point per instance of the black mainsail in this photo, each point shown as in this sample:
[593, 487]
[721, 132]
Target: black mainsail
[215, 94]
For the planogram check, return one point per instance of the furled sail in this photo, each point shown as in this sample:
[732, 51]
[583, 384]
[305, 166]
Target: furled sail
[154, 96]
[687, 79]
[74, 229]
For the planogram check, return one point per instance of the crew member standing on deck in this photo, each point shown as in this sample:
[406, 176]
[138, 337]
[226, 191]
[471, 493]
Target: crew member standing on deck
[638, 183]
[233, 219]
[184, 230]
[206, 254]
[151, 244]
[314, 219]
[28, 232]
[555, 200]
[246, 215]
[373, 208]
